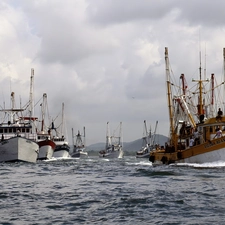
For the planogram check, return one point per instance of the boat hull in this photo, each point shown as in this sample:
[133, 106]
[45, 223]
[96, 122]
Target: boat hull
[46, 149]
[62, 151]
[211, 151]
[213, 156]
[61, 154]
[111, 154]
[79, 154]
[18, 149]
[142, 155]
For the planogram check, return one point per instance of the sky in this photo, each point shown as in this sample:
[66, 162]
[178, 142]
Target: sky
[104, 59]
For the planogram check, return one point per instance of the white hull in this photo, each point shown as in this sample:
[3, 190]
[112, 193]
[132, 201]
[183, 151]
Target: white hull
[61, 154]
[62, 149]
[18, 149]
[213, 156]
[207, 157]
[112, 154]
[79, 154]
[46, 149]
[45, 152]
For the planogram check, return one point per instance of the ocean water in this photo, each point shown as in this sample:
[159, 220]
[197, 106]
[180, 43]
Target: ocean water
[111, 191]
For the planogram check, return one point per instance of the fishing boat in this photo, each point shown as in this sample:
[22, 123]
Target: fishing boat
[79, 145]
[62, 148]
[148, 142]
[113, 147]
[18, 138]
[197, 133]
[46, 145]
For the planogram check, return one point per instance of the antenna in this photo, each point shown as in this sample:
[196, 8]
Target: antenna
[205, 64]
[200, 68]
[31, 92]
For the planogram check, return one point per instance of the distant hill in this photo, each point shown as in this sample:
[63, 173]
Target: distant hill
[129, 147]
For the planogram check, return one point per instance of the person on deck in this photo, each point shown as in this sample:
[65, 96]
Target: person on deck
[219, 114]
[196, 137]
[191, 142]
[218, 133]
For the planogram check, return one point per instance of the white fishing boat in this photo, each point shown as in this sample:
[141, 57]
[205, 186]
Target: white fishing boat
[18, 139]
[193, 115]
[79, 145]
[46, 145]
[148, 142]
[62, 149]
[113, 148]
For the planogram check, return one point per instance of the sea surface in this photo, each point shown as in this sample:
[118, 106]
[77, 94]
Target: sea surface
[111, 191]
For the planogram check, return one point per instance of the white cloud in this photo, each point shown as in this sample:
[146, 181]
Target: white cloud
[105, 59]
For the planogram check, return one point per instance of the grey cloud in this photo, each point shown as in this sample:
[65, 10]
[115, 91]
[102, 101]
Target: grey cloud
[203, 12]
[115, 11]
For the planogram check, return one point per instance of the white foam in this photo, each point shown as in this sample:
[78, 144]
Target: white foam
[203, 165]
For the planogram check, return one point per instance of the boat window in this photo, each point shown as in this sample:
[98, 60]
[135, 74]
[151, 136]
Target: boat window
[5, 130]
[1, 130]
[14, 130]
[27, 130]
[23, 130]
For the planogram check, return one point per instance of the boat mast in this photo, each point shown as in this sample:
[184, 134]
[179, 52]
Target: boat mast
[43, 109]
[72, 137]
[120, 134]
[169, 98]
[32, 101]
[107, 137]
[62, 127]
[184, 86]
[200, 83]
[12, 119]
[31, 93]
[200, 88]
[156, 124]
[84, 142]
[145, 137]
[212, 95]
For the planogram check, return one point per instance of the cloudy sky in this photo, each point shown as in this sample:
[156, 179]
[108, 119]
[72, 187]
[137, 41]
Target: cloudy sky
[105, 58]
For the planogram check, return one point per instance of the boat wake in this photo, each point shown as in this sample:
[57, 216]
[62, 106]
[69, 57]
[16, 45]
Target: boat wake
[142, 163]
[104, 159]
[58, 159]
[217, 164]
